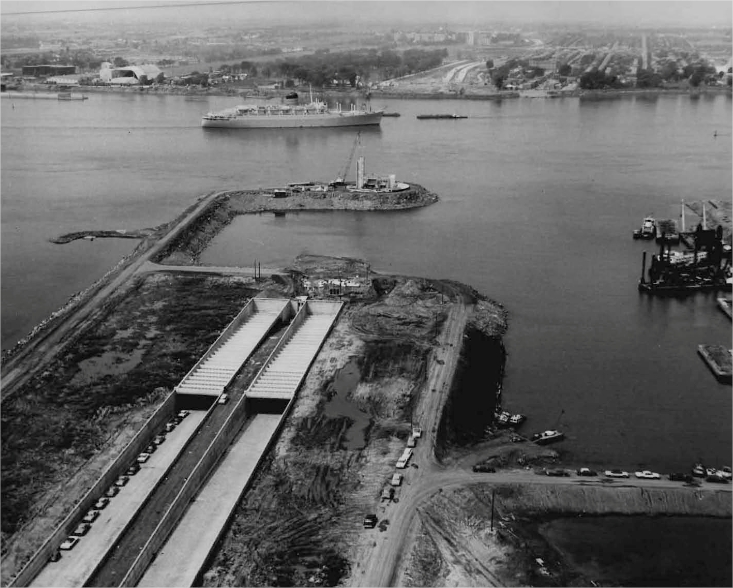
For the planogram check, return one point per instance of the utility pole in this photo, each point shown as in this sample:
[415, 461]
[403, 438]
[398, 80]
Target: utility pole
[493, 495]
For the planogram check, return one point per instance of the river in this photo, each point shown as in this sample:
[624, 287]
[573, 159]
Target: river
[538, 202]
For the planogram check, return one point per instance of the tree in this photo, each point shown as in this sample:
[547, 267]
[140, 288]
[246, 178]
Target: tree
[119, 62]
[160, 78]
[489, 64]
[697, 77]
[498, 81]
[564, 70]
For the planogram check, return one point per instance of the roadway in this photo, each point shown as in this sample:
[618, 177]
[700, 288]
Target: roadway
[77, 565]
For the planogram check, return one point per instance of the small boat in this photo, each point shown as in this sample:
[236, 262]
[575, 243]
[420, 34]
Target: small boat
[392, 114]
[507, 419]
[426, 116]
[70, 96]
[548, 437]
[648, 229]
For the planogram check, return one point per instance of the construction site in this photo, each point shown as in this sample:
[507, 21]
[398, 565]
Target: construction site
[244, 426]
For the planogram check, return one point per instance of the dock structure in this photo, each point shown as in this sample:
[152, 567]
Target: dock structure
[225, 357]
[280, 377]
[718, 359]
[725, 305]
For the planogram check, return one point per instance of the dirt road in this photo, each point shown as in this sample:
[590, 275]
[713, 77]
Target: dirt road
[381, 560]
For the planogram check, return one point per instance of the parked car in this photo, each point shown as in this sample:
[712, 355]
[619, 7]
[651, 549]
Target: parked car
[121, 481]
[725, 472]
[101, 503]
[55, 556]
[112, 491]
[370, 521]
[411, 441]
[133, 469]
[559, 473]
[223, 399]
[151, 448]
[385, 493]
[81, 530]
[70, 543]
[647, 475]
[183, 413]
[417, 432]
[586, 472]
[91, 516]
[396, 480]
[679, 477]
[169, 426]
[711, 472]
[143, 457]
[158, 439]
[616, 474]
[716, 480]
[482, 467]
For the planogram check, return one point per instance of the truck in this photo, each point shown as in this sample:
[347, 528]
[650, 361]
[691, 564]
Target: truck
[404, 458]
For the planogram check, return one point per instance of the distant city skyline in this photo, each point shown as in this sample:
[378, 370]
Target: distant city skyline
[645, 13]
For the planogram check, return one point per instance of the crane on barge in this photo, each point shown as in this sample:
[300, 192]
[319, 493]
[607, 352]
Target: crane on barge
[341, 178]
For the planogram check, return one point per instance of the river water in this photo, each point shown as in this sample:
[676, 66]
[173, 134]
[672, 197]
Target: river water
[538, 202]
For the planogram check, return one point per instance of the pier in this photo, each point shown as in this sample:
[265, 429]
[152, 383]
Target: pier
[718, 359]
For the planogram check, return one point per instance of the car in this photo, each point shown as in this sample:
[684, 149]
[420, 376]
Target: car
[385, 493]
[411, 441]
[91, 516]
[169, 426]
[121, 481]
[396, 480]
[101, 503]
[711, 472]
[370, 521]
[133, 469]
[647, 475]
[616, 474]
[158, 439]
[679, 477]
[725, 472]
[559, 473]
[112, 491]
[417, 432]
[70, 543]
[81, 530]
[151, 448]
[586, 472]
[482, 467]
[183, 413]
[55, 556]
[223, 399]
[716, 480]
[143, 457]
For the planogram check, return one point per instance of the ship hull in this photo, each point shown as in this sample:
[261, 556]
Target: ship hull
[285, 121]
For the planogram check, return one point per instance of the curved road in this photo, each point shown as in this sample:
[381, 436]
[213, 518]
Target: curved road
[381, 559]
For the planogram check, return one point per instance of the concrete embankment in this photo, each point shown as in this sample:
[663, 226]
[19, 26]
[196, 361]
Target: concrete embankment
[536, 499]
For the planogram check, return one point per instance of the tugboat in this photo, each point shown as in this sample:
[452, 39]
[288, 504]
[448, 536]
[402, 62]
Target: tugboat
[648, 229]
[548, 437]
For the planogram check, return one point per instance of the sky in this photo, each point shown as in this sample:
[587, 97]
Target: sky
[639, 13]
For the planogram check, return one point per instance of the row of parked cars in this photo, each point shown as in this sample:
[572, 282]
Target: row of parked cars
[86, 523]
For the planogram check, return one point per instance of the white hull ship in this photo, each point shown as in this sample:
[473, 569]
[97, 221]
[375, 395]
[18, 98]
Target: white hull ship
[285, 116]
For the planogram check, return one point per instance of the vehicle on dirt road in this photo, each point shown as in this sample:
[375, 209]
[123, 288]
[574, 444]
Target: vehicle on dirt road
[616, 474]
[586, 472]
[370, 521]
[484, 468]
[679, 477]
[396, 480]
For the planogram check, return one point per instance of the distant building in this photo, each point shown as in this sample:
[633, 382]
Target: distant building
[48, 70]
[130, 75]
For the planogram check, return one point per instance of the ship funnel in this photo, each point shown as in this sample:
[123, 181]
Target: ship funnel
[360, 173]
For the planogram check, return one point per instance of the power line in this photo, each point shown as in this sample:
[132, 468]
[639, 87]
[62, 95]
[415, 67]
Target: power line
[149, 6]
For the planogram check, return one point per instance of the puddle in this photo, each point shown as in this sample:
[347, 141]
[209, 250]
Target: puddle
[108, 364]
[338, 406]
